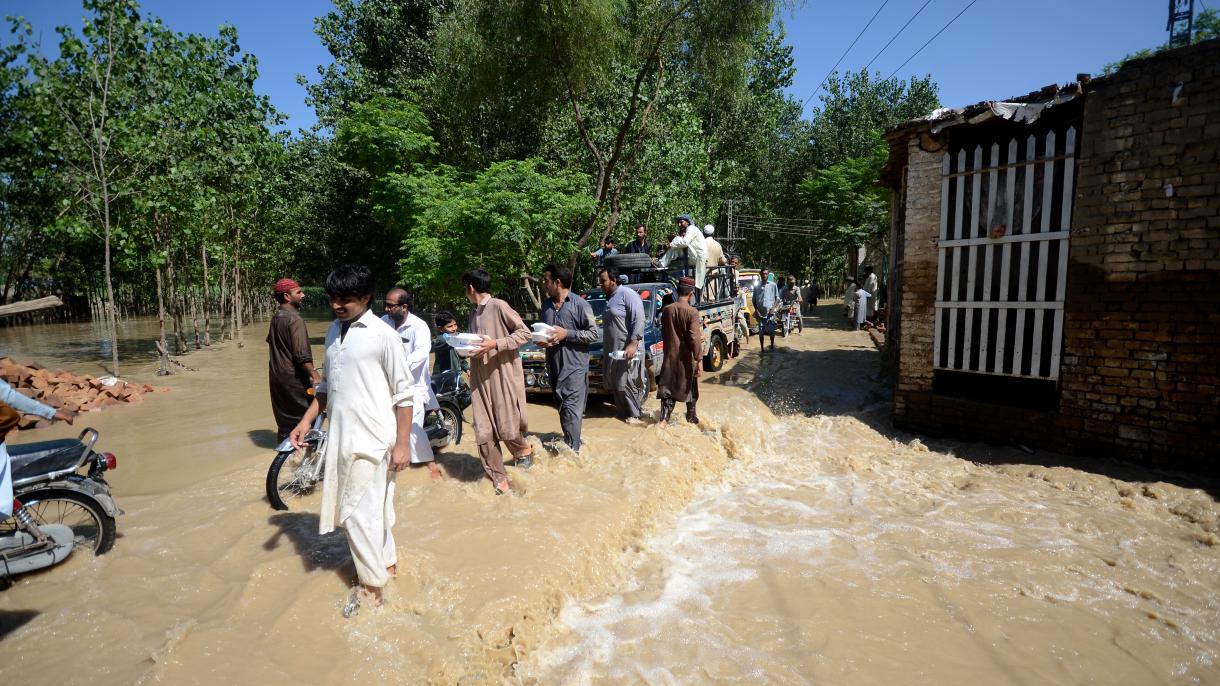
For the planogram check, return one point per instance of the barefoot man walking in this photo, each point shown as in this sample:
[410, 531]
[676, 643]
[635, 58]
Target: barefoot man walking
[682, 331]
[368, 393]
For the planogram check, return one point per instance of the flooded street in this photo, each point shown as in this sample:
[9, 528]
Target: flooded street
[793, 537]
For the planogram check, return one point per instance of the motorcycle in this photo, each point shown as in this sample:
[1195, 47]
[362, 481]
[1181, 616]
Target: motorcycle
[56, 508]
[295, 473]
[790, 318]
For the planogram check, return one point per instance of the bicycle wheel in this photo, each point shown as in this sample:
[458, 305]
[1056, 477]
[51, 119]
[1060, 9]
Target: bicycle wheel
[292, 474]
[92, 528]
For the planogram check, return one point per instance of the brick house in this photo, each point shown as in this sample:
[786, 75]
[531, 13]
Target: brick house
[1056, 265]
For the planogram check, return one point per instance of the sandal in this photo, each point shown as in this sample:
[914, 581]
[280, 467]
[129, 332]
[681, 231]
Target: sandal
[353, 606]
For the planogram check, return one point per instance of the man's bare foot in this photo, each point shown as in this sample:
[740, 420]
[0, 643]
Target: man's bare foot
[503, 487]
[393, 571]
[362, 595]
[437, 474]
[664, 423]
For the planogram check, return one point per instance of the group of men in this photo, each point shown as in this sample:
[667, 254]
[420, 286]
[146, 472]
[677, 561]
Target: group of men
[376, 388]
[860, 298]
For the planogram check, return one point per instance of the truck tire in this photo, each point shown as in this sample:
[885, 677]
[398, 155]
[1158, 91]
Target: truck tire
[630, 260]
[714, 359]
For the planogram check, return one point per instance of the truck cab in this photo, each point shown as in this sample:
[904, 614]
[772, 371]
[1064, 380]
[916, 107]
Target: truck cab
[717, 303]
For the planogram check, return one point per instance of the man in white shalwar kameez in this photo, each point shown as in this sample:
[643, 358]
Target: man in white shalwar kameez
[368, 393]
[689, 242]
[417, 345]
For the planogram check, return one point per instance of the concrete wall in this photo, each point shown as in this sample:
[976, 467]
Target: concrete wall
[1141, 355]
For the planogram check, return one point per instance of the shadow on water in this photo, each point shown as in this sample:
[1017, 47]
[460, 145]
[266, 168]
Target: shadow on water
[263, 438]
[11, 620]
[461, 466]
[329, 552]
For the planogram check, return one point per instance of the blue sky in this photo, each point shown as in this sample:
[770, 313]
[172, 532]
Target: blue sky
[996, 49]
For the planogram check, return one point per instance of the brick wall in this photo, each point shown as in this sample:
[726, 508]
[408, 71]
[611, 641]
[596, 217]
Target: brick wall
[1141, 355]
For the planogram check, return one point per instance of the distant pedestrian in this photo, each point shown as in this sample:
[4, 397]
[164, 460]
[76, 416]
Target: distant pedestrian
[368, 394]
[497, 380]
[682, 332]
[765, 300]
[416, 345]
[623, 334]
[863, 295]
[290, 368]
[872, 286]
[567, 350]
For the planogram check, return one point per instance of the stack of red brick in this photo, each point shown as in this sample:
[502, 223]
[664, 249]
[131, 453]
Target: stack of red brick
[68, 391]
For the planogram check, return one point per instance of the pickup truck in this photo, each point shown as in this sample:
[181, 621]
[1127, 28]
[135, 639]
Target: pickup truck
[718, 305]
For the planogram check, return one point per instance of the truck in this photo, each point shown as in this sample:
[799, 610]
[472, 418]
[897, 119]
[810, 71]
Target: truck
[717, 302]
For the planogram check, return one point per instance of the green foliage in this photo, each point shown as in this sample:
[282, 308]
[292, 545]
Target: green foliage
[510, 218]
[1206, 27]
[845, 197]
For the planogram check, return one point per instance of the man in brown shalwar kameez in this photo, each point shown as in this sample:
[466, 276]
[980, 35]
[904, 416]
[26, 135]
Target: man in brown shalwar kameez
[682, 332]
[290, 367]
[497, 381]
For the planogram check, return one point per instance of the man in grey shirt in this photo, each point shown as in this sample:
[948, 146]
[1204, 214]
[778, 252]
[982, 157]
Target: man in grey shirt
[766, 299]
[567, 350]
[623, 332]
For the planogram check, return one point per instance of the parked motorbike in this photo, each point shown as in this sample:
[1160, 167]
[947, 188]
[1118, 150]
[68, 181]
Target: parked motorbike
[296, 473]
[57, 509]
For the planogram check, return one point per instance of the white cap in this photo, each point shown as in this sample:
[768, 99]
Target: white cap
[709, 230]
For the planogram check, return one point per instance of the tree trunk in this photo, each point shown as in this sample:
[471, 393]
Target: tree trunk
[207, 295]
[175, 303]
[237, 304]
[114, 332]
[163, 353]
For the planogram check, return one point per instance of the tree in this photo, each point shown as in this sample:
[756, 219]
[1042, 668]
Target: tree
[1206, 27]
[95, 87]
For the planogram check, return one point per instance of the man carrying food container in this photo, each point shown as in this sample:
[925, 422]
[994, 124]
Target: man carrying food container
[567, 329]
[497, 382]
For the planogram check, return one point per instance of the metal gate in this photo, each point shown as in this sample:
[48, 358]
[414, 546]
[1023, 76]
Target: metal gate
[1005, 216]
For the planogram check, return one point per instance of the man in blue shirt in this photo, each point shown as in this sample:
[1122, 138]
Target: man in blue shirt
[567, 350]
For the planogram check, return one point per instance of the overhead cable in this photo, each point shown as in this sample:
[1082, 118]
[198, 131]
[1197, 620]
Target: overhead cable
[837, 62]
[942, 30]
[895, 37]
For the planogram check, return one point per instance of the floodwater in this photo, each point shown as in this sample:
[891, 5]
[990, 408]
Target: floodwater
[791, 538]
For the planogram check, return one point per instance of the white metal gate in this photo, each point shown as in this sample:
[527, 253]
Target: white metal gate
[1005, 216]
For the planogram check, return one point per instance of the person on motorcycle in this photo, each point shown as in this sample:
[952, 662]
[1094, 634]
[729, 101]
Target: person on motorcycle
[791, 296]
[766, 300]
[368, 392]
[416, 344]
[12, 406]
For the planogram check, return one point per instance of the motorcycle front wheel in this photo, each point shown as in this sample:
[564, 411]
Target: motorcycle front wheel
[92, 528]
[451, 417]
[293, 474]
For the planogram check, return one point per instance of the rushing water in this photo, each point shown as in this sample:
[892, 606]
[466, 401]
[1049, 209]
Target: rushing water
[792, 538]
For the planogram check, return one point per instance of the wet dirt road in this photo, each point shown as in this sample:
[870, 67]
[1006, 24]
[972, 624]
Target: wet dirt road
[791, 538]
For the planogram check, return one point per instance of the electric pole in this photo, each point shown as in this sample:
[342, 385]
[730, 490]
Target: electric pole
[1181, 22]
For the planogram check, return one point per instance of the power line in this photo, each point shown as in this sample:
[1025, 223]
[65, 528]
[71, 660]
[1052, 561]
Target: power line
[853, 44]
[942, 30]
[904, 28]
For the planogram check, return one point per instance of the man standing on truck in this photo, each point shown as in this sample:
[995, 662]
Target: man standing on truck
[688, 242]
[682, 332]
[622, 333]
[567, 350]
[641, 243]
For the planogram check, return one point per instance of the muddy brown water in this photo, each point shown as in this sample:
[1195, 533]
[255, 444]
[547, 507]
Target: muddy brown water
[791, 538]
